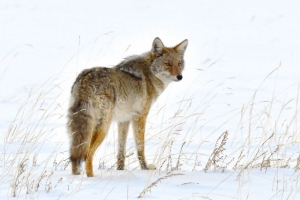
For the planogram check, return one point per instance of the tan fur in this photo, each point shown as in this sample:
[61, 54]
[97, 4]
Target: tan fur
[125, 94]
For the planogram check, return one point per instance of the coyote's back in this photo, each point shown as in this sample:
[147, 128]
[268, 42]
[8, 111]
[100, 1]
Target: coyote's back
[123, 93]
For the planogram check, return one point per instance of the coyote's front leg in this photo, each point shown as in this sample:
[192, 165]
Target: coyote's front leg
[122, 135]
[139, 136]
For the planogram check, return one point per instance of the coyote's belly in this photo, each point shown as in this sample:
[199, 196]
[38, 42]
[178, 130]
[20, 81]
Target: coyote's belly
[125, 110]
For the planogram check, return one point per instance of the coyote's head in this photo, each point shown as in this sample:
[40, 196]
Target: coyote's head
[168, 62]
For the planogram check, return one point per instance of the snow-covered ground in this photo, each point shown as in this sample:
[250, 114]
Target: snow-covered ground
[229, 130]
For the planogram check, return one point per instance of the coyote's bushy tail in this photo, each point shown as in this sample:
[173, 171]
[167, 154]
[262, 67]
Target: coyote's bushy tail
[81, 127]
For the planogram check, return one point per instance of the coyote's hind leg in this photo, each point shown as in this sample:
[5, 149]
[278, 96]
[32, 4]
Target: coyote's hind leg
[99, 134]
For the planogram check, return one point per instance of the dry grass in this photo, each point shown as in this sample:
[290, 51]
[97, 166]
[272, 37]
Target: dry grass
[177, 138]
[149, 187]
[31, 128]
[216, 159]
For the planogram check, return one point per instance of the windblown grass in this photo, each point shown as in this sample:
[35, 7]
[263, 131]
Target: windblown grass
[179, 139]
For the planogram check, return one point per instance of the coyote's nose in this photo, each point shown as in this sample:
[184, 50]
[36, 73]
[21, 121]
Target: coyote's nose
[179, 77]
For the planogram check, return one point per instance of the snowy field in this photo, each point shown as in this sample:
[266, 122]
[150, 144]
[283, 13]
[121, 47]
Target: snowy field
[229, 130]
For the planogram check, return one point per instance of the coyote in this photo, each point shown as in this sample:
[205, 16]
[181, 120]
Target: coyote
[124, 94]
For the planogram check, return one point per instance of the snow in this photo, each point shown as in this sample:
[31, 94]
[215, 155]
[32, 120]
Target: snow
[242, 76]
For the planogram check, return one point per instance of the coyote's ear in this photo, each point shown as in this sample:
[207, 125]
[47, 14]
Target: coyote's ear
[157, 47]
[181, 47]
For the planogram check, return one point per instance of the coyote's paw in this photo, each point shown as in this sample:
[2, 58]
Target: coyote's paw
[90, 174]
[76, 173]
[151, 167]
[76, 169]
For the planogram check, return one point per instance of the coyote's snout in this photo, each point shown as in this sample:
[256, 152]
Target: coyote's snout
[123, 93]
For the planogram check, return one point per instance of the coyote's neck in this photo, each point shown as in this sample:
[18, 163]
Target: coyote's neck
[158, 84]
[140, 67]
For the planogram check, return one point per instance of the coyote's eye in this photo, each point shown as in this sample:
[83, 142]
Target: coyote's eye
[179, 64]
[168, 64]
